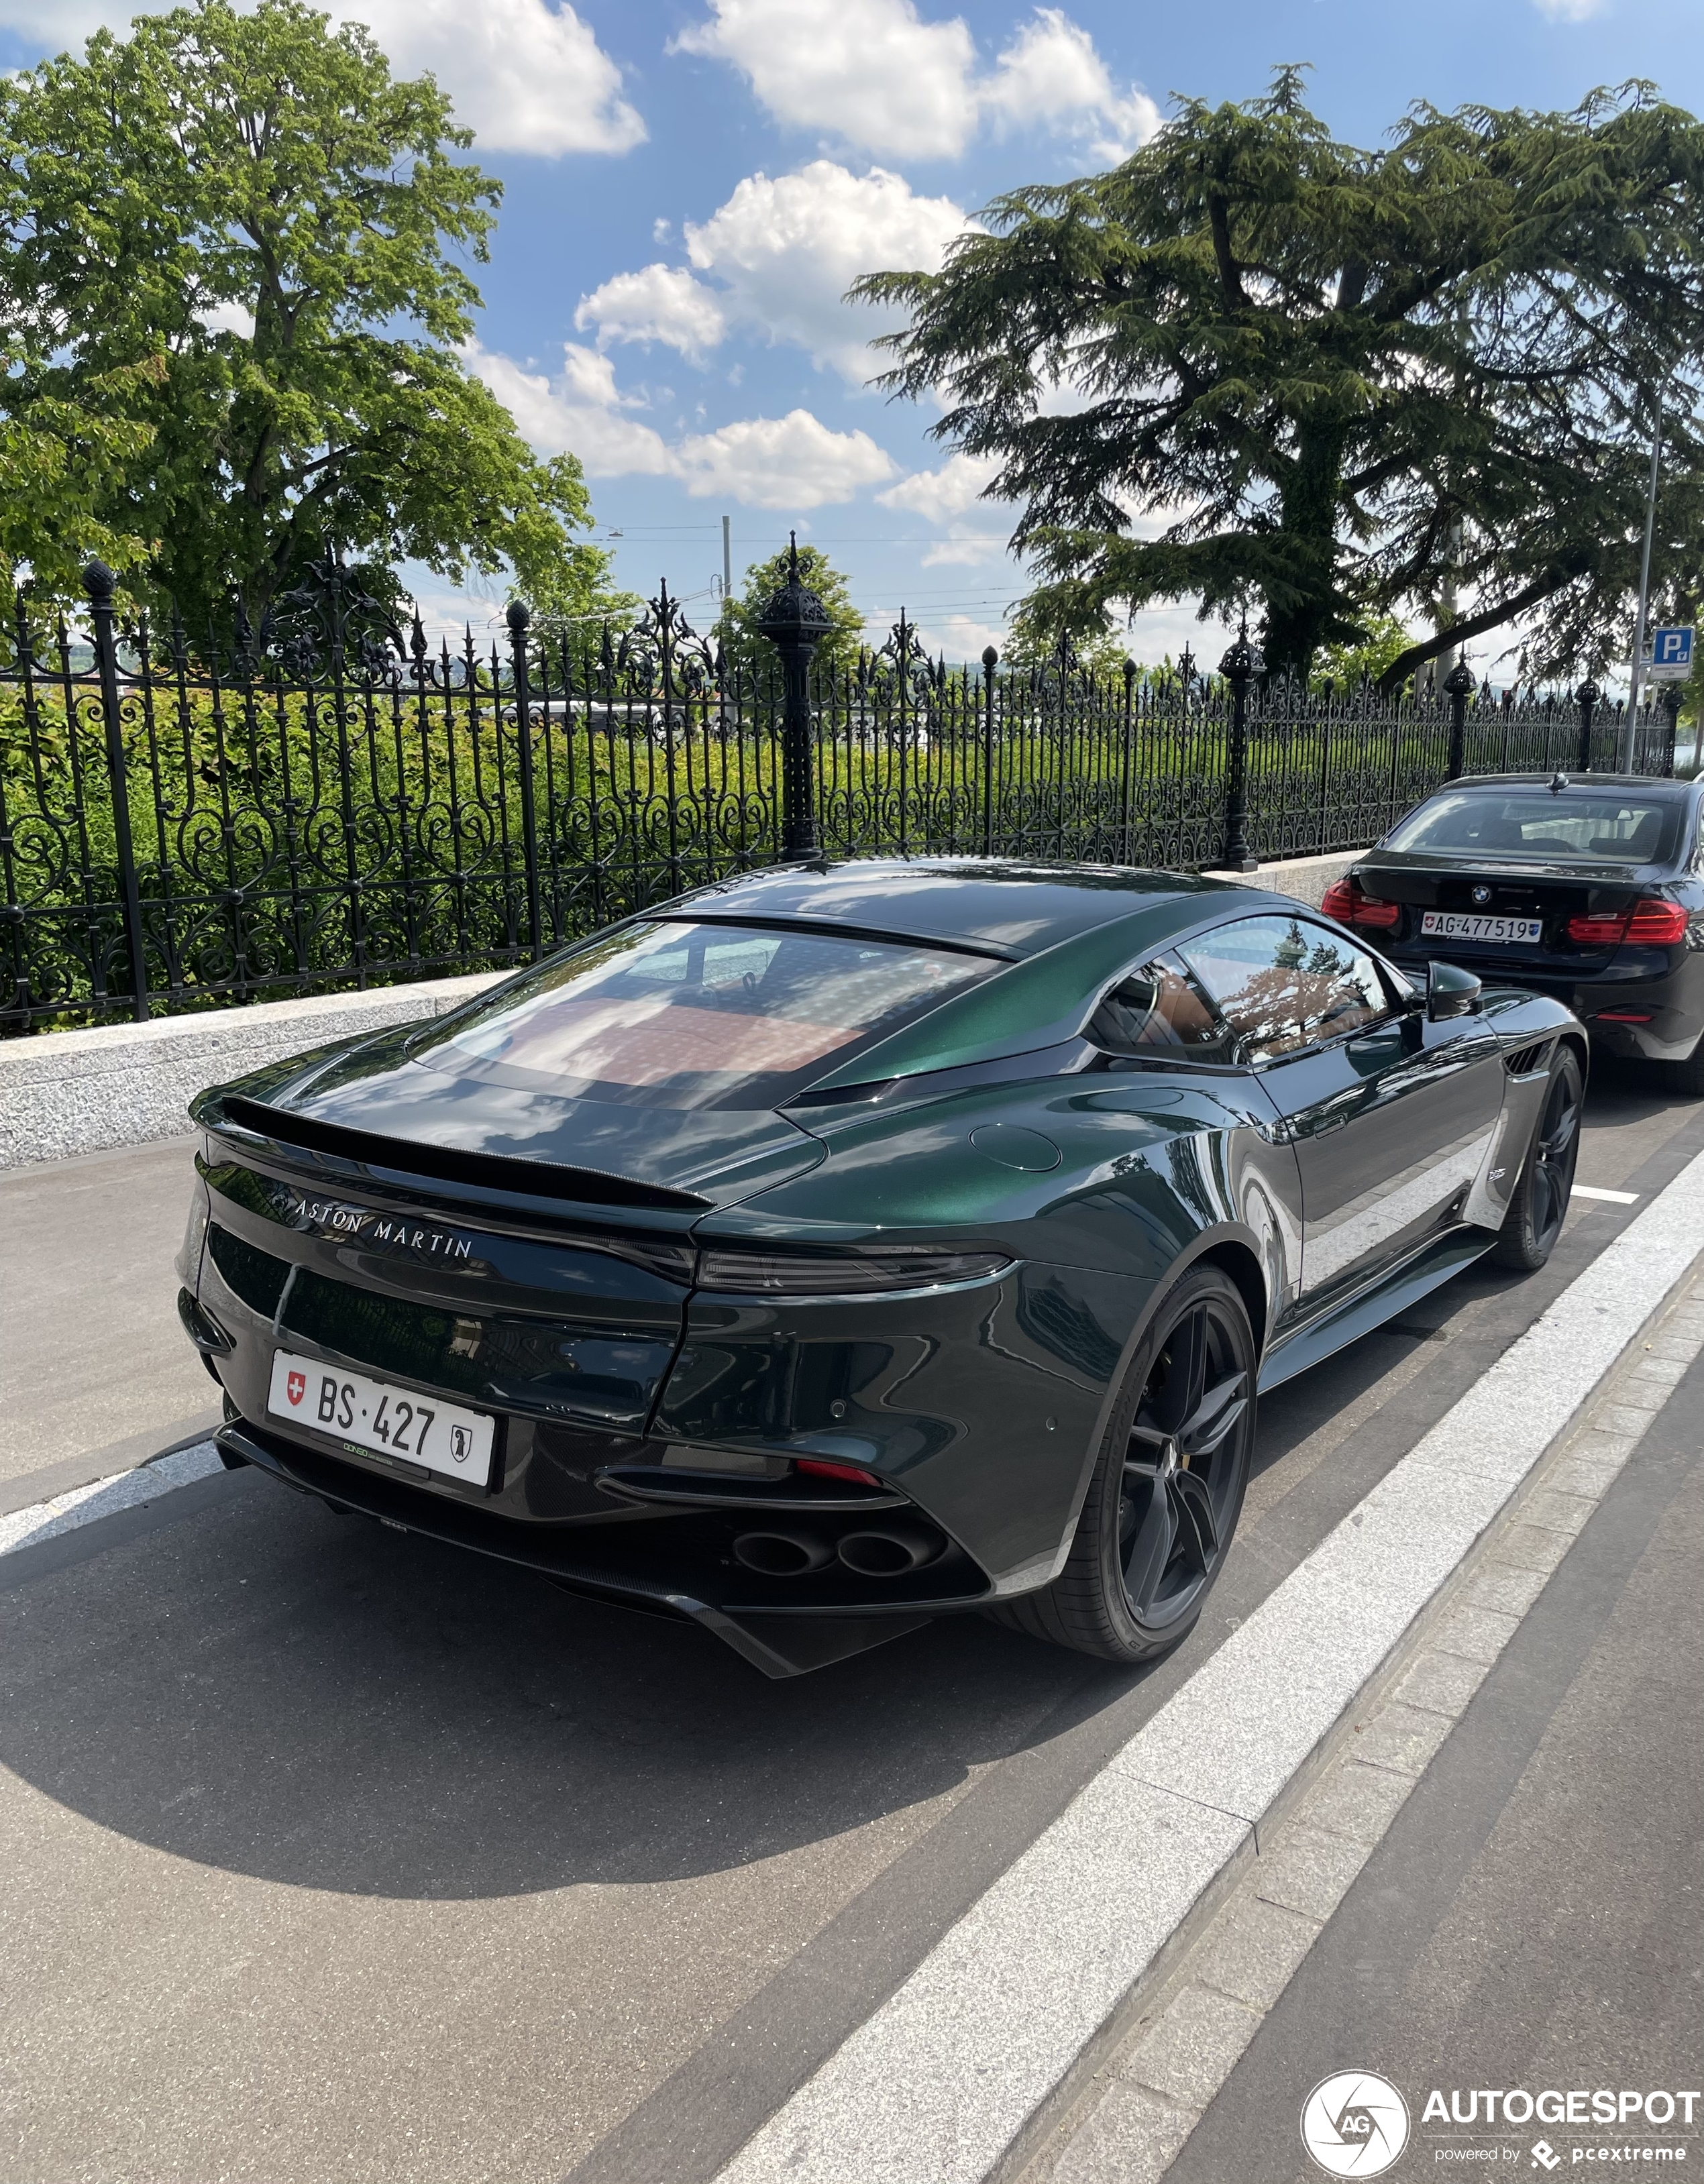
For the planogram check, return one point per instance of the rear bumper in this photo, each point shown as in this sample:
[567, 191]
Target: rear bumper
[1671, 1004]
[659, 1560]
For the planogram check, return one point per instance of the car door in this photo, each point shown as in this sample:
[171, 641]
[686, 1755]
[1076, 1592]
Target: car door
[1391, 1115]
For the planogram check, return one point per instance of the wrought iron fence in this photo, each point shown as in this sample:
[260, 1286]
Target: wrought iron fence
[344, 806]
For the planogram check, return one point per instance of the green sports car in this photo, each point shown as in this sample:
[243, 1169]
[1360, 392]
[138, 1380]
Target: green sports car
[847, 1244]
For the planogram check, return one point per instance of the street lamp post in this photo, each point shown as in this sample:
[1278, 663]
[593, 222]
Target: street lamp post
[1631, 731]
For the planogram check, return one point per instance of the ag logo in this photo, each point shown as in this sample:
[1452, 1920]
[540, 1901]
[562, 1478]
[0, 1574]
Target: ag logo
[1354, 2124]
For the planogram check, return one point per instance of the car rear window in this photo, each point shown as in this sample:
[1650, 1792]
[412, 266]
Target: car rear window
[1566, 828]
[677, 1015]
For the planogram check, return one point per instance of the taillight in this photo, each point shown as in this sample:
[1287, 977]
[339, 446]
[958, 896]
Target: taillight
[1350, 904]
[814, 1468]
[1656, 924]
[753, 1270]
[1650, 923]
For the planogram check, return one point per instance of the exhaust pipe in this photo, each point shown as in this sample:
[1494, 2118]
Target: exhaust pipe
[893, 1551]
[783, 1554]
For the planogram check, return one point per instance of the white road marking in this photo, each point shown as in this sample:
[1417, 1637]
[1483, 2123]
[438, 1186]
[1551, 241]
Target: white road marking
[101, 1497]
[940, 2080]
[1609, 1197]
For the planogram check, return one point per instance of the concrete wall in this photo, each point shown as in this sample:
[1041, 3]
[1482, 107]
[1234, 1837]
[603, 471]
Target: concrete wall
[121, 1084]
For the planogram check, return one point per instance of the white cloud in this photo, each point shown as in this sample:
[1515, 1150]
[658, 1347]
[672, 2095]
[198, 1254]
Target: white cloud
[793, 461]
[579, 409]
[788, 250]
[947, 497]
[784, 253]
[876, 75]
[658, 304]
[1571, 11]
[526, 76]
[229, 319]
[1051, 73]
[940, 495]
[790, 462]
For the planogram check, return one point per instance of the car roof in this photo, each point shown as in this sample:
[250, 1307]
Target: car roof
[999, 906]
[1584, 784]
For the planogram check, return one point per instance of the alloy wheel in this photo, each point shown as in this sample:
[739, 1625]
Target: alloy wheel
[1553, 1154]
[1183, 1467]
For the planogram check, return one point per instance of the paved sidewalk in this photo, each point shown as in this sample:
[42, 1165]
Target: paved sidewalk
[95, 1373]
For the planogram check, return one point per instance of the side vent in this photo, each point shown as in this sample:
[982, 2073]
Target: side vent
[1528, 1061]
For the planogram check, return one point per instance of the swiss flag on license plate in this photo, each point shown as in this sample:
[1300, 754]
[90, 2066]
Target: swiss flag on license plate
[297, 1386]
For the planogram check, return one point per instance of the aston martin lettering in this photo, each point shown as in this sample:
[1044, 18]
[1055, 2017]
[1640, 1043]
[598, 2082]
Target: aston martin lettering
[382, 1232]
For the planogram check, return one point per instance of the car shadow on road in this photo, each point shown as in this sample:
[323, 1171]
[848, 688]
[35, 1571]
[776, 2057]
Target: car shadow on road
[265, 1687]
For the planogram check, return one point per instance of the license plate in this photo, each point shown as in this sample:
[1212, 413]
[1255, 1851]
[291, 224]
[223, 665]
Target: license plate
[1460, 925]
[414, 1430]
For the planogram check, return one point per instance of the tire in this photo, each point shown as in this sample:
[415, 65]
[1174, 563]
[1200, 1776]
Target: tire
[1167, 1487]
[1540, 1205]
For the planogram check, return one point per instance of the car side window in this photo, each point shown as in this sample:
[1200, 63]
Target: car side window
[1282, 983]
[1161, 1010]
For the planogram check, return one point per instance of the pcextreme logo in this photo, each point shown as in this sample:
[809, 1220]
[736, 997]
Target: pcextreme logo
[1354, 2124]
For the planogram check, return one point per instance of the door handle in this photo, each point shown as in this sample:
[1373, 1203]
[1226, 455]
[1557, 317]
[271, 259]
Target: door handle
[1329, 1123]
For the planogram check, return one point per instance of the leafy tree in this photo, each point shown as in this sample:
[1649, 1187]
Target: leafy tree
[232, 242]
[1335, 362]
[1383, 641]
[59, 459]
[763, 580]
[1033, 642]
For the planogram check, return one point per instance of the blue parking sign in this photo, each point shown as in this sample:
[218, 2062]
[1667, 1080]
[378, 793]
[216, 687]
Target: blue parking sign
[1671, 655]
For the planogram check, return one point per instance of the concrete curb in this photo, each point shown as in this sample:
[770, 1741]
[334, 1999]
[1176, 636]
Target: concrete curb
[71, 1092]
[1304, 878]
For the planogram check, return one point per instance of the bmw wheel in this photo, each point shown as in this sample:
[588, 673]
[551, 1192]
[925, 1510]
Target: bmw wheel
[1167, 1487]
[1534, 1218]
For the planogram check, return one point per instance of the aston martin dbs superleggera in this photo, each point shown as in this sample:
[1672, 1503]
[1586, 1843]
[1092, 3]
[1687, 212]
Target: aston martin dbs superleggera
[848, 1243]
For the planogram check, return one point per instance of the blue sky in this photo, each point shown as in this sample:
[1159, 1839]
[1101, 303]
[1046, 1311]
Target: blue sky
[690, 186]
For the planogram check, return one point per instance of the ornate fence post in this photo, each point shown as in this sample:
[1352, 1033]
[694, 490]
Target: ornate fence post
[793, 622]
[1671, 706]
[1459, 686]
[1124, 785]
[1585, 698]
[98, 582]
[1238, 668]
[519, 618]
[990, 661]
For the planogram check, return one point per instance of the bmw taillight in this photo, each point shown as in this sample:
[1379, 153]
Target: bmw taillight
[1350, 904]
[1650, 923]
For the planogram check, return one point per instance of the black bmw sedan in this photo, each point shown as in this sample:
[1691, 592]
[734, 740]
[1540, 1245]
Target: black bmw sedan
[1590, 889]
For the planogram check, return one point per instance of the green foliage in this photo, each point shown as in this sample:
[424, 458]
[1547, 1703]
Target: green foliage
[1384, 643]
[738, 626]
[231, 257]
[1033, 642]
[1332, 360]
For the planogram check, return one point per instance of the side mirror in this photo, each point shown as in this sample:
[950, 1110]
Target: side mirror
[1451, 993]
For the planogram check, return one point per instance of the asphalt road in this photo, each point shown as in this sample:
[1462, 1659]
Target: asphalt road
[334, 1854]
